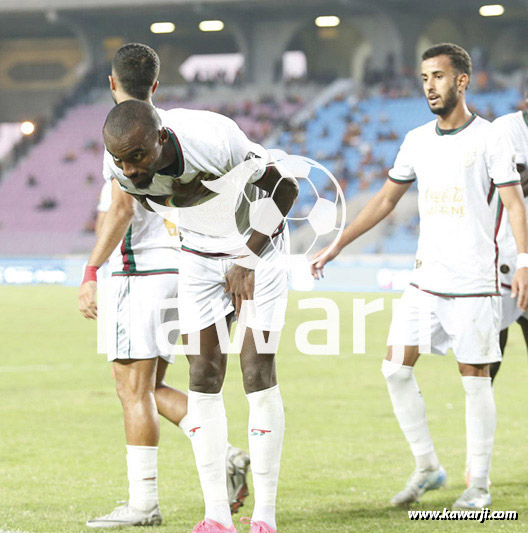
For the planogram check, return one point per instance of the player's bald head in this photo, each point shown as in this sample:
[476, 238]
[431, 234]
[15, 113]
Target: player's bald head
[130, 117]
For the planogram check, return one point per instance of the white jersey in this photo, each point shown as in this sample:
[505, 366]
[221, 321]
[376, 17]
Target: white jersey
[208, 145]
[151, 244]
[457, 173]
[515, 126]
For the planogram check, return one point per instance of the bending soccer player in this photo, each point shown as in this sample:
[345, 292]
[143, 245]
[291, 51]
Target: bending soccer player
[154, 156]
[515, 127]
[459, 161]
[144, 252]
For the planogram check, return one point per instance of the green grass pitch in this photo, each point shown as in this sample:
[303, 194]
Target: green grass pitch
[62, 455]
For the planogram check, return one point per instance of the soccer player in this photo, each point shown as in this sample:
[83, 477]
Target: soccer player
[144, 255]
[514, 126]
[462, 164]
[153, 156]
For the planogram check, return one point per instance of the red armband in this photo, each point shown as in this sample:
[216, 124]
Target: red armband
[90, 274]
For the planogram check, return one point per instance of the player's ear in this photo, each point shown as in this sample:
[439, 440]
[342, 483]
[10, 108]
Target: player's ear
[463, 82]
[154, 87]
[163, 136]
[112, 83]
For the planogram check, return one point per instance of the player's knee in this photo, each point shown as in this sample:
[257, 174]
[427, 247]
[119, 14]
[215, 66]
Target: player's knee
[133, 389]
[256, 379]
[395, 372]
[206, 377]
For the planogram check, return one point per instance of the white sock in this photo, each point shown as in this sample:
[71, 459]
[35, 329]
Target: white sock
[481, 418]
[185, 425]
[142, 463]
[409, 408]
[208, 435]
[266, 432]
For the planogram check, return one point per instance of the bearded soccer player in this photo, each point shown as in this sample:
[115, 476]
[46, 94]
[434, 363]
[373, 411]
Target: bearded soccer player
[462, 165]
[514, 126]
[155, 156]
[144, 255]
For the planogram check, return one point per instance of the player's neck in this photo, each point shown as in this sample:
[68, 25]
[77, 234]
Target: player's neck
[123, 97]
[456, 119]
[168, 155]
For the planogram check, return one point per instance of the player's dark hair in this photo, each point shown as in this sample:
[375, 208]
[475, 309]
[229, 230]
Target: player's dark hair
[460, 60]
[137, 67]
[128, 115]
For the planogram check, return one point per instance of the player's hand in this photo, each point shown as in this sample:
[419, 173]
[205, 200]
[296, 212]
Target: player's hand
[241, 282]
[318, 264]
[86, 299]
[520, 288]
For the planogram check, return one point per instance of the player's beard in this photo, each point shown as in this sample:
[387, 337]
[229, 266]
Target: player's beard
[450, 102]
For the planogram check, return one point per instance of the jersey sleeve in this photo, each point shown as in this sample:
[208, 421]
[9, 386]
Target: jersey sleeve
[500, 157]
[507, 126]
[105, 197]
[403, 169]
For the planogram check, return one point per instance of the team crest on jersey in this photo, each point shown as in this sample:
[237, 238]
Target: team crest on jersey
[471, 158]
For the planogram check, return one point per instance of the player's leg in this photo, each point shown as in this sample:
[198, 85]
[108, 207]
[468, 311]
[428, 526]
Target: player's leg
[414, 323]
[409, 408]
[135, 381]
[480, 431]
[131, 345]
[476, 324]
[208, 423]
[265, 425]
[171, 403]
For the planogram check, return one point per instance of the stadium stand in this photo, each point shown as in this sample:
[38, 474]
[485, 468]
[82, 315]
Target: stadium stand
[54, 189]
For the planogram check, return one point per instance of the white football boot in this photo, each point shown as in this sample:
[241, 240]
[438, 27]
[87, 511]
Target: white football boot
[473, 498]
[420, 481]
[124, 516]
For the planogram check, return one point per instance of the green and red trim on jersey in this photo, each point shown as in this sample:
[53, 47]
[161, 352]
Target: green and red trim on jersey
[129, 261]
[525, 116]
[179, 153]
[454, 294]
[456, 130]
[508, 184]
[147, 272]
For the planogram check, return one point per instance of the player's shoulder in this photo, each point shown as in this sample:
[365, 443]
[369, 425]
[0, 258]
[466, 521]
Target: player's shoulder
[509, 119]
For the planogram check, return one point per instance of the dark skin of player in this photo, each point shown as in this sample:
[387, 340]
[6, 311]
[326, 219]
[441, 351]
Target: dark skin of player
[140, 154]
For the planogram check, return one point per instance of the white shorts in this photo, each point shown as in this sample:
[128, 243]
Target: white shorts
[468, 325]
[139, 308]
[203, 301]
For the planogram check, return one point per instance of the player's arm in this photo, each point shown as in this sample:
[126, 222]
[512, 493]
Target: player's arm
[283, 189]
[115, 225]
[513, 200]
[377, 208]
